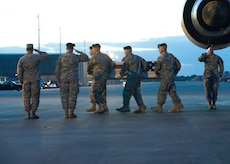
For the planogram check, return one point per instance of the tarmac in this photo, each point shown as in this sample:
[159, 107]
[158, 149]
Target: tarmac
[196, 135]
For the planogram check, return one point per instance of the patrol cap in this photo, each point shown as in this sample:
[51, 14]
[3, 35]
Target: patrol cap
[70, 45]
[162, 44]
[29, 46]
[127, 48]
[96, 45]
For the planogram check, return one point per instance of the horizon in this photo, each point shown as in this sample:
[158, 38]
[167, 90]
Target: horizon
[180, 46]
[115, 24]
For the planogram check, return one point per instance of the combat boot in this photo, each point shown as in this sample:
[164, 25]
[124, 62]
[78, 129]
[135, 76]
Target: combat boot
[123, 109]
[214, 105]
[102, 109]
[106, 109]
[72, 115]
[180, 106]
[210, 105]
[66, 113]
[34, 116]
[176, 108]
[141, 109]
[157, 108]
[92, 108]
[27, 116]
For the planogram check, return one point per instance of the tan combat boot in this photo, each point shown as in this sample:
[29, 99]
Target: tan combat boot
[214, 105]
[106, 109]
[210, 105]
[157, 108]
[72, 115]
[92, 108]
[176, 108]
[101, 109]
[34, 116]
[66, 113]
[141, 109]
[180, 106]
[27, 116]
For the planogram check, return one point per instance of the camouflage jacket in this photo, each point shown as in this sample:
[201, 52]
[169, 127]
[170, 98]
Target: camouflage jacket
[213, 65]
[167, 66]
[100, 66]
[133, 66]
[28, 67]
[67, 66]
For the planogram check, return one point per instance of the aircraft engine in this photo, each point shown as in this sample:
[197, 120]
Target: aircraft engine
[207, 22]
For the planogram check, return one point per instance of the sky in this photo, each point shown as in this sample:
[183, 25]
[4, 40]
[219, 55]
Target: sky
[89, 20]
[113, 23]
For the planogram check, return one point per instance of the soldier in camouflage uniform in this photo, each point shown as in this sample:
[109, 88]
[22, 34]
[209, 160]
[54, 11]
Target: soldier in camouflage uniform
[133, 66]
[67, 76]
[213, 70]
[100, 66]
[93, 107]
[167, 67]
[28, 74]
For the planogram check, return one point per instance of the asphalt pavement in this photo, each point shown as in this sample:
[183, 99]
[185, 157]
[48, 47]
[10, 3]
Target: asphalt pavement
[195, 135]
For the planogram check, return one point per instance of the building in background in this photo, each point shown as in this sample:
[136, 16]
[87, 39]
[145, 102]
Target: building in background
[8, 67]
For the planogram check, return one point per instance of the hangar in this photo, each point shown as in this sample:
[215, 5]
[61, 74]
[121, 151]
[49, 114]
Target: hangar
[8, 67]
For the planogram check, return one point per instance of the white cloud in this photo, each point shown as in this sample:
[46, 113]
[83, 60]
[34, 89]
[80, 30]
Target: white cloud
[113, 48]
[90, 20]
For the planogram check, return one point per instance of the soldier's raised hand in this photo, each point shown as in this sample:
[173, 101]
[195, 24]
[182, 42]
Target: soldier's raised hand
[77, 51]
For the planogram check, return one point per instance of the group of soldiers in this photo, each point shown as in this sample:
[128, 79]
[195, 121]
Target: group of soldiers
[100, 67]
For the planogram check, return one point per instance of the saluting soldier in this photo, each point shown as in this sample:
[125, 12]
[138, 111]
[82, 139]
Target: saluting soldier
[93, 106]
[167, 66]
[100, 66]
[67, 75]
[28, 74]
[213, 70]
[133, 66]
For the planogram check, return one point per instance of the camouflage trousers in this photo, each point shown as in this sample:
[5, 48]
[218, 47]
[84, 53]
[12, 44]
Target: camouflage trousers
[92, 99]
[69, 91]
[31, 95]
[99, 91]
[211, 86]
[167, 87]
[132, 88]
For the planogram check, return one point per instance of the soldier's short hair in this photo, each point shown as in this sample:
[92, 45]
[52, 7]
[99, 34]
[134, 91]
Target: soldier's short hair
[127, 48]
[29, 47]
[70, 45]
[96, 45]
[162, 44]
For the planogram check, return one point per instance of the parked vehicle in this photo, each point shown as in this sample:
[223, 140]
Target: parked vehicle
[50, 84]
[10, 84]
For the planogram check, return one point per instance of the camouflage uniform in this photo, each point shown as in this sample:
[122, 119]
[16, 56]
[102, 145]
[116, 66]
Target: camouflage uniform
[167, 66]
[28, 74]
[91, 93]
[133, 66]
[91, 96]
[99, 66]
[67, 76]
[213, 70]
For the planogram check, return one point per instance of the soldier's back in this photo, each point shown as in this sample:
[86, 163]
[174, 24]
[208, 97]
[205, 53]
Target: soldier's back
[69, 66]
[168, 66]
[101, 66]
[30, 64]
[134, 65]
